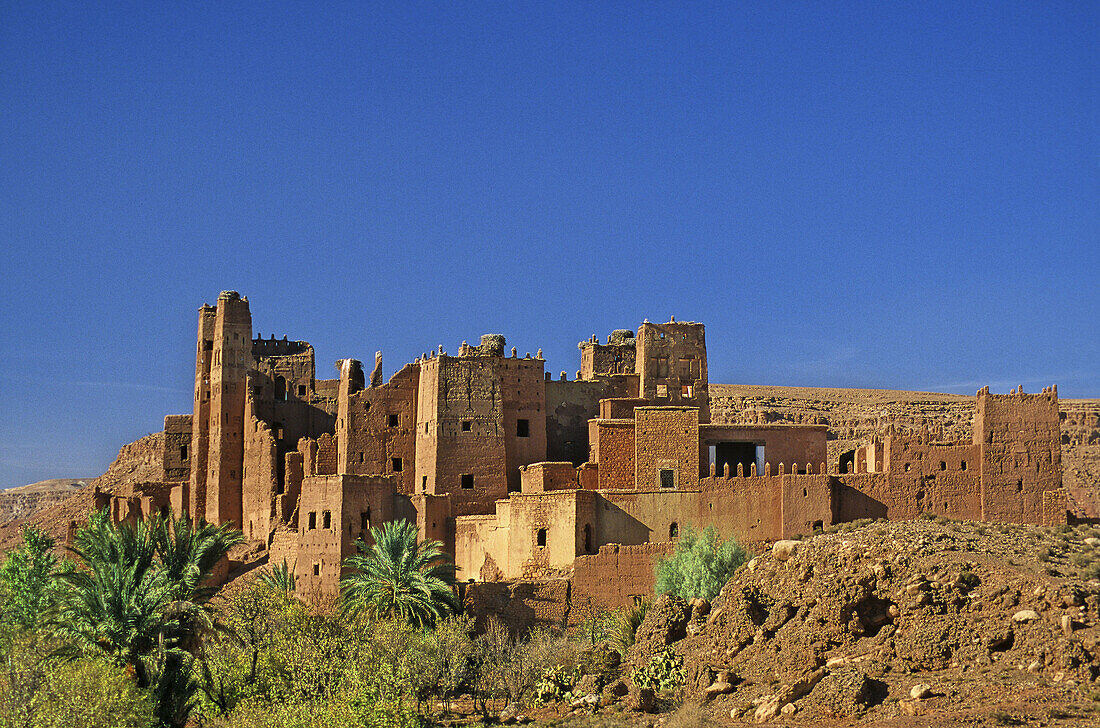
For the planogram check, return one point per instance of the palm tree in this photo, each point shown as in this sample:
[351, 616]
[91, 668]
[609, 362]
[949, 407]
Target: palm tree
[280, 579]
[399, 578]
[116, 603]
[188, 553]
[139, 599]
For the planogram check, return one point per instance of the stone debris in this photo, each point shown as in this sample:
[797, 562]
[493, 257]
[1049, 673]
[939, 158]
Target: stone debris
[843, 621]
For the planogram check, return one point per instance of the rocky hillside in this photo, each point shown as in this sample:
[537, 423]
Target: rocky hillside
[914, 623]
[137, 462]
[28, 499]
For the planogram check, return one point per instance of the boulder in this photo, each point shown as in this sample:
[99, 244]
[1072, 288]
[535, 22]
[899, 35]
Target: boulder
[784, 550]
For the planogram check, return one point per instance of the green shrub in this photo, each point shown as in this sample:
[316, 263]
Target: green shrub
[700, 566]
[629, 621]
[27, 579]
[664, 673]
[89, 693]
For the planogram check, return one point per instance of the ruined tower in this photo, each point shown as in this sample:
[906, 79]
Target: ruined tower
[672, 365]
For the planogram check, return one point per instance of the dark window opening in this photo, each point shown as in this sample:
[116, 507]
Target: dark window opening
[327, 520]
[467, 481]
[207, 345]
[848, 462]
[962, 465]
[467, 425]
[732, 453]
[907, 466]
[364, 520]
[312, 520]
[587, 538]
[818, 526]
[360, 458]
[945, 506]
[673, 530]
[668, 478]
[183, 452]
[540, 538]
[302, 390]
[280, 388]
[943, 465]
[805, 494]
[395, 464]
[392, 420]
[1019, 486]
[316, 569]
[424, 483]
[523, 428]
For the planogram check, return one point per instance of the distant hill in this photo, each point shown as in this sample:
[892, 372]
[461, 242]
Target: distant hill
[24, 500]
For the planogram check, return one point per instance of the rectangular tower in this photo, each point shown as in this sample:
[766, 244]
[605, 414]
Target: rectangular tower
[1021, 453]
[672, 365]
[200, 422]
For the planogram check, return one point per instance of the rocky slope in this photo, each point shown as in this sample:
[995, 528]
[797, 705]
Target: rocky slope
[912, 623]
[138, 461]
[28, 499]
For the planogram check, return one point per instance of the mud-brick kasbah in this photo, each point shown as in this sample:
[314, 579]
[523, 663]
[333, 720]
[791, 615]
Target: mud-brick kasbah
[529, 478]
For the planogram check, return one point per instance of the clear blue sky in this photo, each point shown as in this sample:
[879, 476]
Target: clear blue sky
[898, 195]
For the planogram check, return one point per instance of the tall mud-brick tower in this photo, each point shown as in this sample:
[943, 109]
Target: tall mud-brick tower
[200, 429]
[672, 365]
[222, 364]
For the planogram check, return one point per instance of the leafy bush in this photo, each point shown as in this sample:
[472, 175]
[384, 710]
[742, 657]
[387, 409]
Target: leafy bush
[89, 693]
[700, 566]
[27, 577]
[664, 673]
[557, 683]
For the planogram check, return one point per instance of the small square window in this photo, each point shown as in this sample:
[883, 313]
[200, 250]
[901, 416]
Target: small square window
[395, 464]
[301, 390]
[327, 520]
[393, 419]
[523, 428]
[316, 569]
[312, 520]
[467, 481]
[467, 425]
[668, 478]
[540, 537]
